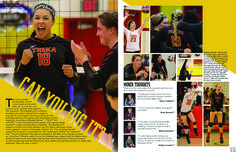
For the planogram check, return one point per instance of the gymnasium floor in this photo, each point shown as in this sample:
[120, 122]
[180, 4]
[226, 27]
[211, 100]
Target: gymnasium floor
[215, 139]
[194, 141]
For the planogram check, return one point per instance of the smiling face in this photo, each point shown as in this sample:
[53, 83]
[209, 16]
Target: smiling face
[129, 124]
[129, 96]
[129, 110]
[103, 33]
[133, 25]
[137, 62]
[43, 22]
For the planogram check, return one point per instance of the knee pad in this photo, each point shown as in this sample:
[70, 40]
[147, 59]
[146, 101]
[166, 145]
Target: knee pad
[185, 127]
[211, 124]
[195, 123]
[220, 125]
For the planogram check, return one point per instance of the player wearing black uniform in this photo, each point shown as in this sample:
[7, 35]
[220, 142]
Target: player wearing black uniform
[191, 22]
[217, 100]
[159, 68]
[112, 96]
[135, 71]
[184, 73]
[107, 31]
[174, 37]
[46, 58]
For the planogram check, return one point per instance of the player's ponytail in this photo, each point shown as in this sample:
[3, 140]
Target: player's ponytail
[176, 16]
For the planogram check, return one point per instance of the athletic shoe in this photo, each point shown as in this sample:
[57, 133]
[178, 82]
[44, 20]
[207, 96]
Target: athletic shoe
[221, 140]
[188, 140]
[195, 132]
[207, 139]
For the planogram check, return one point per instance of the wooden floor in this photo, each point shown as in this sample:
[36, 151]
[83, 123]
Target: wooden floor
[215, 139]
[194, 141]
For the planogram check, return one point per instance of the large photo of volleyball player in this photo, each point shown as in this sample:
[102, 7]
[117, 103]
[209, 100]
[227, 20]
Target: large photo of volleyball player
[216, 114]
[136, 67]
[163, 67]
[53, 65]
[189, 67]
[136, 29]
[189, 113]
[176, 29]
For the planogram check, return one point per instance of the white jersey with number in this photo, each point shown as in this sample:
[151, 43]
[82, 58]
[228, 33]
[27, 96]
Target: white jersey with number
[132, 40]
[187, 102]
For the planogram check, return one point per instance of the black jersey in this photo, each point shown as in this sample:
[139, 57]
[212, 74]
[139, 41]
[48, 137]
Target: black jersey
[166, 34]
[160, 67]
[98, 79]
[162, 48]
[115, 136]
[129, 73]
[217, 101]
[184, 72]
[196, 29]
[45, 68]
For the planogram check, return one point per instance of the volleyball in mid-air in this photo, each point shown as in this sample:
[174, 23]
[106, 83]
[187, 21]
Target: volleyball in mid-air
[145, 9]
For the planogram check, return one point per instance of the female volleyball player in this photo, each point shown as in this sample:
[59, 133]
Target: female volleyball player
[191, 22]
[135, 70]
[129, 101]
[174, 37]
[217, 100]
[46, 58]
[186, 111]
[129, 142]
[184, 73]
[129, 115]
[159, 68]
[133, 35]
[158, 21]
[129, 128]
[107, 32]
[112, 96]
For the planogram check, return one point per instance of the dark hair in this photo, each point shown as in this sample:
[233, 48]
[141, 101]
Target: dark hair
[134, 57]
[112, 85]
[109, 19]
[130, 21]
[47, 7]
[158, 55]
[191, 17]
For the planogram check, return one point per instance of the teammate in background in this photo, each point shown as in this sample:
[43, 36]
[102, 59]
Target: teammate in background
[186, 111]
[158, 21]
[199, 95]
[191, 22]
[129, 115]
[129, 142]
[46, 58]
[135, 70]
[129, 101]
[184, 73]
[159, 68]
[112, 96]
[174, 37]
[133, 35]
[174, 78]
[129, 128]
[217, 100]
[107, 25]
